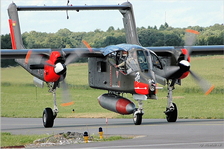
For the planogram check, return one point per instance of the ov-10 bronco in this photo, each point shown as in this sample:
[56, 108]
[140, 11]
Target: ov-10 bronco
[123, 68]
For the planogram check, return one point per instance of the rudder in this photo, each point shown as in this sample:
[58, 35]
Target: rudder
[14, 27]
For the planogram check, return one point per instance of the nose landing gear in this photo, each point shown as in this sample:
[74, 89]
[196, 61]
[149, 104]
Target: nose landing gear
[171, 109]
[171, 113]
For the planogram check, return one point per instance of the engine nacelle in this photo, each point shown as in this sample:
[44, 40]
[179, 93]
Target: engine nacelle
[116, 104]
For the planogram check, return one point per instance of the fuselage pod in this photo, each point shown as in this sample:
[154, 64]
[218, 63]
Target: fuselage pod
[116, 103]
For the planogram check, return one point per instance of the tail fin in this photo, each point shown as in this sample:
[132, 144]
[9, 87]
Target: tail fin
[15, 33]
[129, 24]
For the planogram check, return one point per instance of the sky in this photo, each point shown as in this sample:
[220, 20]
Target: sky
[177, 13]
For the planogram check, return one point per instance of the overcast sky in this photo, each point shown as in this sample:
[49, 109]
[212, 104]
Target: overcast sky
[177, 13]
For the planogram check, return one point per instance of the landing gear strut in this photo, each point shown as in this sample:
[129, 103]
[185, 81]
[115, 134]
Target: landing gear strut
[171, 109]
[48, 114]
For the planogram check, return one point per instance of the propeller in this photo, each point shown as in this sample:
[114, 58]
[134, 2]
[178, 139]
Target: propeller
[65, 94]
[190, 39]
[206, 86]
[184, 64]
[37, 60]
[55, 68]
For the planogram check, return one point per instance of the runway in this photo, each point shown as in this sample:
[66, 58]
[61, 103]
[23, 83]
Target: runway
[153, 133]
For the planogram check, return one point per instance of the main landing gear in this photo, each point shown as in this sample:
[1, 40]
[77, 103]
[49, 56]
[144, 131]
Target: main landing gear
[48, 114]
[138, 113]
[171, 109]
[137, 117]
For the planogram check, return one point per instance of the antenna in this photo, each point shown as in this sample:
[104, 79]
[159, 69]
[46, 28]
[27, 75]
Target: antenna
[67, 10]
[164, 37]
[165, 16]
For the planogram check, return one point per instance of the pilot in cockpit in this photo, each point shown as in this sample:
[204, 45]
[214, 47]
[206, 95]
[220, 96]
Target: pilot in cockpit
[129, 63]
[122, 59]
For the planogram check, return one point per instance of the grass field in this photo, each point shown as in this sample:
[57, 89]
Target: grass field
[8, 139]
[20, 98]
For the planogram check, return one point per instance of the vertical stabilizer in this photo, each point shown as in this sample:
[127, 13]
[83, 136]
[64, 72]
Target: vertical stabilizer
[129, 24]
[15, 33]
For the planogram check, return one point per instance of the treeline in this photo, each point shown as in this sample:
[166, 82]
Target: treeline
[165, 35]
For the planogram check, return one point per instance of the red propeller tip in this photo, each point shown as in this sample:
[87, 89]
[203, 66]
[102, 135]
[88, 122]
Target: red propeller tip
[210, 90]
[87, 45]
[67, 104]
[28, 57]
[192, 31]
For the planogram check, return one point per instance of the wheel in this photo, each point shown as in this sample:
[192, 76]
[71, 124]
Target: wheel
[172, 115]
[48, 118]
[137, 118]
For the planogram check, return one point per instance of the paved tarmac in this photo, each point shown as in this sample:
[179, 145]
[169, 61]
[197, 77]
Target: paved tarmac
[153, 133]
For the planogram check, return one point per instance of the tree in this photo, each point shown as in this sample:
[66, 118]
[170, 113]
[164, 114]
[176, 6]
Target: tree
[64, 32]
[166, 25]
[147, 37]
[111, 28]
[155, 27]
[150, 36]
[172, 39]
[163, 27]
[6, 44]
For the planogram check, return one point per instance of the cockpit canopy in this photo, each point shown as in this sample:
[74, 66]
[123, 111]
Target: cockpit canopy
[132, 58]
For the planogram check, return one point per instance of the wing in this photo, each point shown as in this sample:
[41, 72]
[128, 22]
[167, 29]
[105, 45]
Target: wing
[207, 50]
[21, 54]
[86, 52]
[171, 55]
[195, 50]
[100, 52]
[41, 63]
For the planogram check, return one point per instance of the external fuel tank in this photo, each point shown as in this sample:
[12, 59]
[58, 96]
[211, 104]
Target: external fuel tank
[116, 103]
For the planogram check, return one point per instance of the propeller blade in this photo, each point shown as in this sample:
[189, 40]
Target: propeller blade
[87, 45]
[170, 70]
[67, 104]
[65, 92]
[37, 66]
[41, 65]
[190, 39]
[66, 98]
[205, 86]
[28, 55]
[76, 54]
[36, 61]
[33, 58]
[73, 56]
[45, 63]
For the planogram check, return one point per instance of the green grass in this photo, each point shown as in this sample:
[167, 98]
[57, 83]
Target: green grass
[8, 139]
[111, 138]
[19, 97]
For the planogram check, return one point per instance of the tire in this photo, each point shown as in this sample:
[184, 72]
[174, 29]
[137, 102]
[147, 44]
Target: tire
[172, 116]
[137, 119]
[48, 118]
